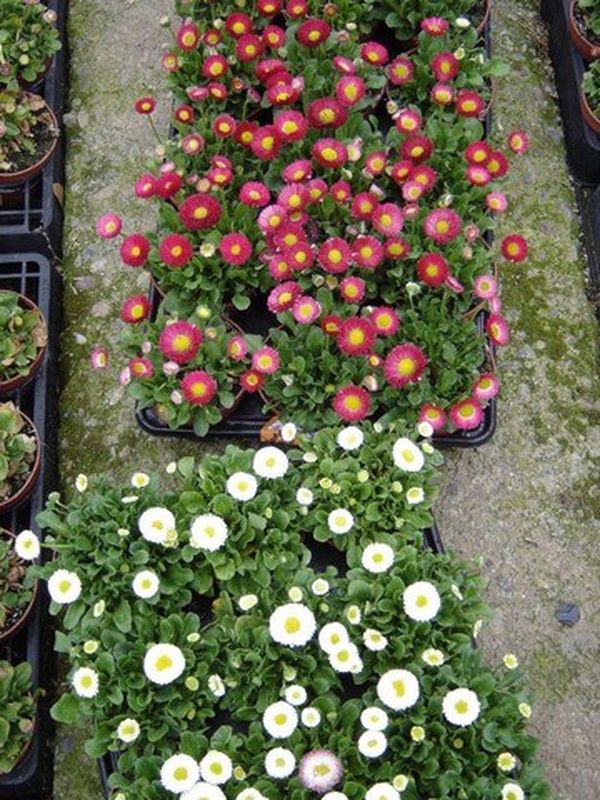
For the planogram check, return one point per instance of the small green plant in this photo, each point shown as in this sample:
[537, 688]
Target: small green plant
[17, 450]
[28, 40]
[26, 130]
[15, 588]
[587, 12]
[17, 712]
[591, 87]
[22, 335]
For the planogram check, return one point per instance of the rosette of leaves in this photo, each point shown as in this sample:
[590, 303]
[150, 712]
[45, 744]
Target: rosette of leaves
[17, 712]
[404, 17]
[22, 335]
[590, 86]
[28, 41]
[15, 584]
[18, 447]
[26, 130]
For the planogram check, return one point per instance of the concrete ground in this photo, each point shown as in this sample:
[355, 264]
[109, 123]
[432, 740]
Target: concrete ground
[527, 503]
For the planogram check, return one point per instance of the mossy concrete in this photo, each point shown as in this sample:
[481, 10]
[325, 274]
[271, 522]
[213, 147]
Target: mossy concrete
[527, 503]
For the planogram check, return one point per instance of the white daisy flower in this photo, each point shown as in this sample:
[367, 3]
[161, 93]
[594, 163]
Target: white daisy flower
[280, 720]
[461, 707]
[242, 486]
[382, 791]
[510, 661]
[346, 658]
[208, 532]
[289, 432]
[171, 468]
[304, 496]
[433, 657]
[456, 592]
[203, 791]
[407, 456]
[398, 689]
[280, 762]
[156, 524]
[128, 730]
[350, 438]
[421, 601]
[146, 584]
[462, 22]
[425, 429]
[249, 794]
[353, 615]
[362, 476]
[139, 480]
[81, 482]
[85, 682]
[247, 601]
[415, 495]
[64, 586]
[216, 767]
[334, 796]
[296, 695]
[377, 557]
[295, 594]
[207, 250]
[373, 640]
[310, 458]
[332, 636]
[417, 733]
[99, 609]
[27, 545]
[374, 719]
[216, 685]
[310, 717]
[319, 587]
[270, 462]
[164, 663]
[372, 744]
[179, 773]
[340, 520]
[292, 624]
[512, 791]
[90, 646]
[506, 762]
[524, 710]
[400, 782]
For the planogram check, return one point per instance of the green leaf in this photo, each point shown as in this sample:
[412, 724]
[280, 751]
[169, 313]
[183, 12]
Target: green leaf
[66, 710]
[122, 616]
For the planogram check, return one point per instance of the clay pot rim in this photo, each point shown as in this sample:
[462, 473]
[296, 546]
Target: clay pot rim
[10, 179]
[588, 51]
[26, 489]
[12, 384]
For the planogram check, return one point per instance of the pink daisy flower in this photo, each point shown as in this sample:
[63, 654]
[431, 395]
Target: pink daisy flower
[214, 67]
[199, 387]
[467, 415]
[432, 269]
[135, 309]
[329, 153]
[271, 218]
[385, 320]
[238, 24]
[326, 112]
[514, 248]
[434, 26]
[485, 287]
[293, 197]
[146, 186]
[265, 360]
[442, 225]
[445, 66]
[254, 193]
[199, 211]
[237, 348]
[363, 205]
[375, 163]
[305, 310]
[335, 255]
[168, 184]
[134, 250]
[412, 191]
[356, 336]
[425, 176]
[192, 144]
[175, 250]
[341, 192]
[344, 65]
[352, 403]
[387, 219]
[497, 164]
[442, 94]
[374, 53]
[401, 71]
[497, 329]
[518, 141]
[301, 256]
[235, 249]
[180, 341]
[350, 90]
[282, 297]
[469, 104]
[109, 226]
[486, 386]
[300, 170]
[404, 364]
[434, 415]
[291, 125]
[251, 381]
[317, 188]
[249, 47]
[266, 142]
[401, 171]
[408, 121]
[99, 358]
[352, 289]
[140, 368]
[280, 267]
[367, 252]
[416, 148]
[313, 32]
[396, 248]
[478, 153]
[496, 202]
[478, 176]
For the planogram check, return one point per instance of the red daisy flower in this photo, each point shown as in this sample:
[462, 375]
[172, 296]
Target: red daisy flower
[291, 125]
[271, 218]
[168, 184]
[356, 336]
[235, 248]
[497, 164]
[331, 324]
[251, 381]
[145, 105]
[469, 104]
[514, 248]
[401, 71]
[367, 252]
[408, 121]
[146, 186]
[214, 67]
[364, 205]
[329, 153]
[374, 54]
[317, 189]
[135, 309]
[375, 163]
[109, 226]
[301, 256]
[518, 141]
[327, 112]
[265, 360]
[180, 341]
[237, 348]
[280, 267]
[188, 37]
[341, 192]
[293, 197]
[266, 142]
[352, 403]
[412, 191]
[417, 148]
[434, 415]
[467, 415]
[352, 289]
[350, 90]
[199, 211]
[219, 177]
[134, 250]
[404, 364]
[442, 225]
[199, 387]
[192, 144]
[211, 37]
[385, 320]
[478, 153]
[424, 175]
[442, 94]
[313, 32]
[335, 255]
[273, 36]
[387, 219]
[289, 234]
[445, 66]
[401, 171]
[224, 126]
[141, 368]
[268, 8]
[296, 8]
[248, 48]
[282, 297]
[217, 91]
[254, 193]
[238, 24]
[486, 386]
[175, 250]
[169, 62]
[432, 269]
[497, 329]
[396, 248]
[434, 26]
[267, 68]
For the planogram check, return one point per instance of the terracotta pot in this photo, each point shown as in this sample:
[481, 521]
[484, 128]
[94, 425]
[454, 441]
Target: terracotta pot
[587, 50]
[12, 384]
[7, 634]
[24, 750]
[588, 115]
[10, 179]
[26, 489]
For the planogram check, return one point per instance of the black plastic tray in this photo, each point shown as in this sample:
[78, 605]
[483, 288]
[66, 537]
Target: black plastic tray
[32, 215]
[583, 145]
[590, 213]
[31, 274]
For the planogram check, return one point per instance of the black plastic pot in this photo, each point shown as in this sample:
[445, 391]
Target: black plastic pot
[583, 145]
[31, 274]
[31, 215]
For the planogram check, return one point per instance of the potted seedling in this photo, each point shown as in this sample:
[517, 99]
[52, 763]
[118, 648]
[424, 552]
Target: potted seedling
[28, 41]
[17, 714]
[584, 27]
[17, 590]
[28, 136]
[19, 456]
[23, 338]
